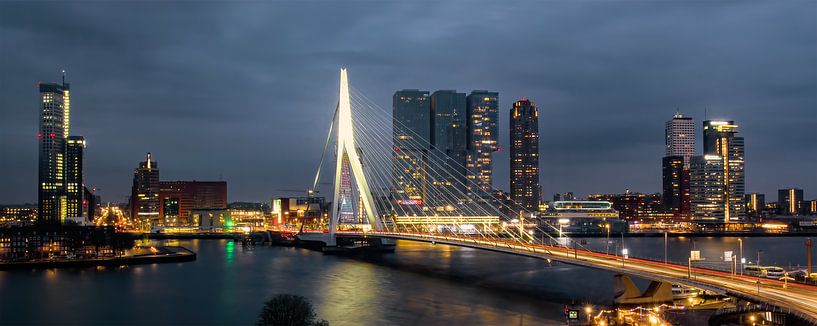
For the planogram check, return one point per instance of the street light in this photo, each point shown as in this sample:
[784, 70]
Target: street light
[742, 260]
[624, 254]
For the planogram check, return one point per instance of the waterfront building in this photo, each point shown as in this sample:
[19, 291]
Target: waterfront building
[483, 139]
[524, 143]
[680, 138]
[448, 139]
[215, 219]
[708, 189]
[252, 218]
[755, 204]
[720, 140]
[788, 201]
[74, 186]
[18, 215]
[178, 199]
[36, 242]
[144, 200]
[292, 211]
[582, 218]
[636, 207]
[411, 137]
[676, 195]
[808, 207]
[55, 103]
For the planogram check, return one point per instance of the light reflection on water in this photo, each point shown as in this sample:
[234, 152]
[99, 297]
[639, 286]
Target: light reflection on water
[419, 284]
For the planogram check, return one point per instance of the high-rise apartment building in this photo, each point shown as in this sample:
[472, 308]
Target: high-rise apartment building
[676, 193]
[483, 136]
[789, 200]
[411, 137]
[74, 186]
[145, 193]
[53, 199]
[720, 140]
[524, 130]
[708, 189]
[680, 138]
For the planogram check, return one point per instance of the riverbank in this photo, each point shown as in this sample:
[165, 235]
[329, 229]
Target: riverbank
[169, 254]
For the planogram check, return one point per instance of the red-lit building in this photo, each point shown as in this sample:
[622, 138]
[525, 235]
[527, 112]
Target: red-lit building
[177, 199]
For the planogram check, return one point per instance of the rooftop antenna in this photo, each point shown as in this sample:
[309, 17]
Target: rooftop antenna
[706, 116]
[63, 77]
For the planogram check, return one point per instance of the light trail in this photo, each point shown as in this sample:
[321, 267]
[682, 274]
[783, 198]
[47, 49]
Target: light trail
[796, 297]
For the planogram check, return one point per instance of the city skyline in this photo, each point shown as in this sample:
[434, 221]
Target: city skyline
[204, 112]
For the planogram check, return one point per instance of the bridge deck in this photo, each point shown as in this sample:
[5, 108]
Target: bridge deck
[798, 299]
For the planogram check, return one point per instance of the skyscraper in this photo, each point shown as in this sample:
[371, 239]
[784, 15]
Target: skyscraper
[707, 189]
[524, 129]
[74, 185]
[411, 136]
[448, 139]
[145, 193]
[55, 103]
[720, 140]
[788, 201]
[676, 196]
[483, 137]
[680, 138]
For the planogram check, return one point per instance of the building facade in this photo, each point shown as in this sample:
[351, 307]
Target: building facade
[789, 201]
[676, 193]
[680, 138]
[144, 202]
[755, 204]
[524, 132]
[55, 103]
[448, 140]
[74, 186]
[411, 136]
[720, 140]
[178, 199]
[708, 189]
[483, 139]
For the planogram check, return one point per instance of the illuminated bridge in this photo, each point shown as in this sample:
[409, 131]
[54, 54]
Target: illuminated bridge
[418, 192]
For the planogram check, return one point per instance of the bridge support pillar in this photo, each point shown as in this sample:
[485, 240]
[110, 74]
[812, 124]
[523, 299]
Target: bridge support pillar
[626, 293]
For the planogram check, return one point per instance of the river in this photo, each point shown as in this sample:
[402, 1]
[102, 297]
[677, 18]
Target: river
[418, 284]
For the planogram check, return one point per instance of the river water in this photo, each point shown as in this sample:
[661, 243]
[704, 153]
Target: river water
[418, 284]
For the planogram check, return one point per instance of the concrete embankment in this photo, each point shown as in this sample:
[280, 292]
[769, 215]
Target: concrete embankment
[167, 255]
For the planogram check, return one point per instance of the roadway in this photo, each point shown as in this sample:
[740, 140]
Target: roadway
[798, 298]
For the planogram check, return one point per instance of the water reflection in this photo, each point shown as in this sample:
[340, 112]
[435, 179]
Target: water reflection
[419, 284]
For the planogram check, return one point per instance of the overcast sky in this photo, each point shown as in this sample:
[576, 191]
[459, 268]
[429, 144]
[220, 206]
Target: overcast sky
[243, 91]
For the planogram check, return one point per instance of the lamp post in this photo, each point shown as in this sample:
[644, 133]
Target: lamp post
[608, 238]
[665, 247]
[740, 241]
[624, 254]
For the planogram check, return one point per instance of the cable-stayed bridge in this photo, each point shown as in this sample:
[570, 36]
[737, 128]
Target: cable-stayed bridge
[394, 183]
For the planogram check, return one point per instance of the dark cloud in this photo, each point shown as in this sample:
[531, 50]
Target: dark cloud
[243, 91]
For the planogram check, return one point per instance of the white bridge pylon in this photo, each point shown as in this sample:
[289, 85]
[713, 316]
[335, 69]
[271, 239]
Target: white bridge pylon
[346, 146]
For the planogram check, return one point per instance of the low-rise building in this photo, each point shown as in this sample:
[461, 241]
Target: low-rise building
[581, 218]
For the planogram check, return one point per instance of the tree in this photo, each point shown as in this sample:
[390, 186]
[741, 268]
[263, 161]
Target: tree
[289, 310]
